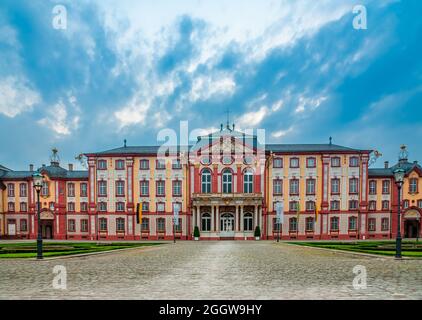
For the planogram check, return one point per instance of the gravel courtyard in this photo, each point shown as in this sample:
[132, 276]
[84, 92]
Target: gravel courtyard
[214, 270]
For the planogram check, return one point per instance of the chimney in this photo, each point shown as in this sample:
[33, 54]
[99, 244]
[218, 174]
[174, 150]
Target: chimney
[386, 164]
[415, 162]
[31, 167]
[70, 166]
[43, 164]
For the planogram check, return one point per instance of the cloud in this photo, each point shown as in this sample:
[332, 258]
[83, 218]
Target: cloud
[16, 96]
[58, 119]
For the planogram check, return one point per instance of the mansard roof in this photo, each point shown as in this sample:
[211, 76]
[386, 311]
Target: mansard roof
[290, 148]
[53, 171]
[204, 140]
[380, 172]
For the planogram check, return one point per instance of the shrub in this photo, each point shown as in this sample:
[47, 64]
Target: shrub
[196, 232]
[257, 231]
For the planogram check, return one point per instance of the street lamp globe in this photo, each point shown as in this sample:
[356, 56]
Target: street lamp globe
[38, 180]
[399, 176]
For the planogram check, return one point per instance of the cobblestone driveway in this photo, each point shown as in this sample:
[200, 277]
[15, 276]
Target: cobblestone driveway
[214, 270]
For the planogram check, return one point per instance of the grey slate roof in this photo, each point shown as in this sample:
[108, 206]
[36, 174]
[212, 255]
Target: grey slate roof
[3, 168]
[53, 171]
[269, 147]
[380, 172]
[308, 148]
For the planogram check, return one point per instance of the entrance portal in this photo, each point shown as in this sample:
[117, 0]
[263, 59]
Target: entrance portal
[47, 229]
[227, 225]
[411, 228]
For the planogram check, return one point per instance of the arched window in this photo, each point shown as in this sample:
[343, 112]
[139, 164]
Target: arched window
[248, 222]
[227, 181]
[206, 181]
[248, 181]
[206, 222]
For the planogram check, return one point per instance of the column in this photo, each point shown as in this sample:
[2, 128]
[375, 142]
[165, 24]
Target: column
[217, 218]
[260, 216]
[198, 215]
[237, 219]
[255, 214]
[212, 218]
[242, 227]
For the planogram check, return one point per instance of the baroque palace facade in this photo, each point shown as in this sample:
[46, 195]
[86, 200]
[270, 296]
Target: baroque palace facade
[226, 184]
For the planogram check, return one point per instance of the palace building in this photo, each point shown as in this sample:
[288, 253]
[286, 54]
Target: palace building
[226, 184]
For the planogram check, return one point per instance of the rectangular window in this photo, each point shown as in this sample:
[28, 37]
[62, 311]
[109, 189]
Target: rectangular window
[177, 188]
[160, 164]
[145, 225]
[334, 224]
[120, 225]
[144, 164]
[353, 205]
[353, 224]
[103, 225]
[278, 187]
[23, 207]
[353, 185]
[310, 186]
[292, 225]
[11, 207]
[120, 164]
[161, 207]
[145, 206]
[178, 227]
[161, 225]
[71, 225]
[386, 187]
[84, 189]
[84, 206]
[10, 190]
[144, 188]
[102, 188]
[372, 205]
[23, 190]
[385, 224]
[372, 187]
[309, 224]
[102, 206]
[335, 186]
[71, 206]
[294, 162]
[354, 162]
[335, 205]
[276, 226]
[120, 188]
[70, 189]
[310, 206]
[278, 163]
[405, 204]
[413, 185]
[335, 162]
[24, 225]
[293, 206]
[84, 225]
[161, 188]
[311, 162]
[420, 204]
[386, 205]
[120, 206]
[294, 187]
[372, 224]
[102, 165]
[177, 164]
[45, 190]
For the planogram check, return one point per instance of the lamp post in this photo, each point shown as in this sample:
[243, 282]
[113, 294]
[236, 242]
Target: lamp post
[399, 178]
[38, 181]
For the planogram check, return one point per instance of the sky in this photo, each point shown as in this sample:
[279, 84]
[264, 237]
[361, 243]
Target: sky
[119, 69]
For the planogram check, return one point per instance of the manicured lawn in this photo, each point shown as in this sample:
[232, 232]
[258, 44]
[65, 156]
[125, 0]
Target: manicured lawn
[54, 249]
[388, 248]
